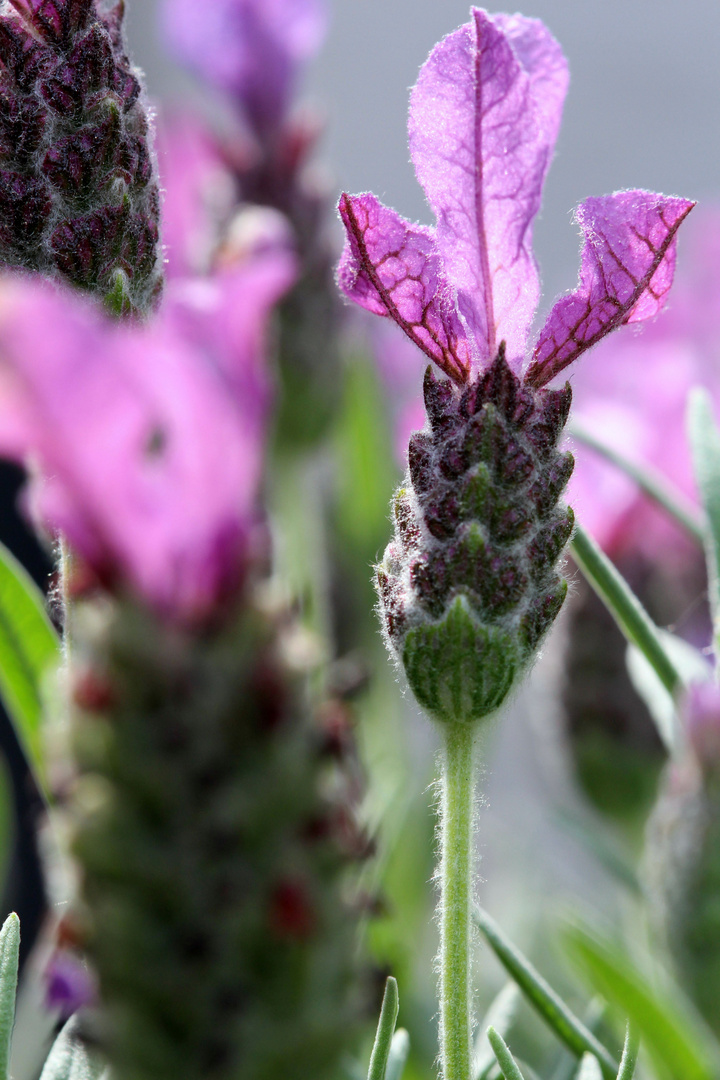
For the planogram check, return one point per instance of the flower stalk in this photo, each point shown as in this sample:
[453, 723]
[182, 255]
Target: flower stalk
[456, 862]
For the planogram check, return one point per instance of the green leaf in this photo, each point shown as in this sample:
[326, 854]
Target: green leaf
[385, 1031]
[705, 446]
[630, 1054]
[9, 952]
[508, 1065]
[692, 667]
[676, 1040]
[589, 1068]
[397, 1058]
[653, 483]
[500, 1016]
[70, 1059]
[626, 609]
[569, 1029]
[28, 648]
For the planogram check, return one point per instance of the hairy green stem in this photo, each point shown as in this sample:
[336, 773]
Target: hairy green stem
[455, 903]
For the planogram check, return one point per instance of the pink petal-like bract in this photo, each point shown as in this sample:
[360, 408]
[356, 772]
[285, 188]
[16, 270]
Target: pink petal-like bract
[628, 262]
[392, 268]
[484, 118]
[198, 194]
[146, 442]
[252, 49]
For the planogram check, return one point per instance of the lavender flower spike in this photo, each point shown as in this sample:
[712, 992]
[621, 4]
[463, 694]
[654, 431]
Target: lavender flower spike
[251, 49]
[469, 585]
[78, 195]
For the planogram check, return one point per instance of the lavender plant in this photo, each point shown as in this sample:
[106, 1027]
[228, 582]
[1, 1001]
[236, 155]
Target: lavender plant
[210, 805]
[470, 585]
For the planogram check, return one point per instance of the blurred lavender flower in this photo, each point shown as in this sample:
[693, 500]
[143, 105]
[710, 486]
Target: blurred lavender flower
[78, 195]
[146, 442]
[252, 50]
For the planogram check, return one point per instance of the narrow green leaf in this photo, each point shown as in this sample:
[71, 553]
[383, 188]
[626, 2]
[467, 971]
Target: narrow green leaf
[9, 951]
[705, 445]
[385, 1031]
[630, 1054]
[594, 1015]
[624, 606]
[70, 1058]
[397, 1058]
[508, 1065]
[500, 1016]
[568, 1028]
[676, 1040]
[589, 1068]
[28, 647]
[653, 483]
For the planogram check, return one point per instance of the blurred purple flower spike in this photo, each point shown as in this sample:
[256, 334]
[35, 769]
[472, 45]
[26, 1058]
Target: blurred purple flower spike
[69, 985]
[484, 117]
[250, 49]
[146, 443]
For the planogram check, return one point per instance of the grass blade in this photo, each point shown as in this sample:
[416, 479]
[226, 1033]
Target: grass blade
[9, 951]
[676, 1040]
[385, 1031]
[629, 614]
[508, 1065]
[569, 1028]
[652, 483]
[630, 1054]
[28, 647]
[501, 1017]
[397, 1058]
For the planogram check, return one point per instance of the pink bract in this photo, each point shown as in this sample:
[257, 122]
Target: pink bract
[145, 443]
[634, 397]
[484, 117]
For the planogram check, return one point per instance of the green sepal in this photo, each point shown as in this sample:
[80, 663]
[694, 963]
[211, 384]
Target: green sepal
[9, 953]
[458, 668]
[117, 300]
[70, 1058]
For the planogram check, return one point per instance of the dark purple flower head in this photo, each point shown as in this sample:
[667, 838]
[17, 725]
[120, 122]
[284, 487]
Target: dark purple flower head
[484, 117]
[251, 49]
[78, 196]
